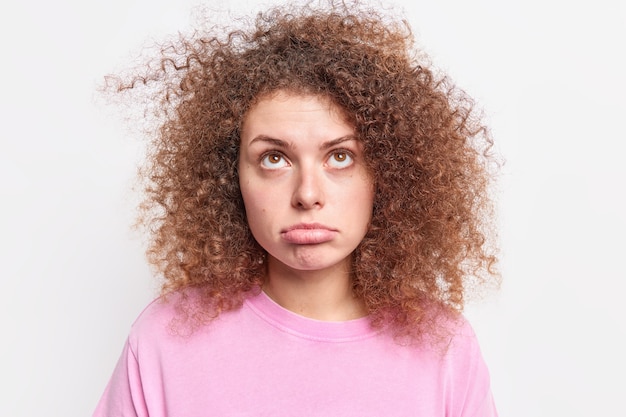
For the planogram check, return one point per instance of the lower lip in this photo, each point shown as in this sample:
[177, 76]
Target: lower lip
[308, 236]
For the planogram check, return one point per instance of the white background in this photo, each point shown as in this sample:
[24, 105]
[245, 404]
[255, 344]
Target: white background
[549, 75]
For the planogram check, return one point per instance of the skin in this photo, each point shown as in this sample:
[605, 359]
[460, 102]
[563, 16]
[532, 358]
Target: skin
[308, 200]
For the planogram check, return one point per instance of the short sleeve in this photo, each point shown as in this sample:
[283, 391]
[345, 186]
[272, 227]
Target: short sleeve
[123, 396]
[473, 396]
[486, 407]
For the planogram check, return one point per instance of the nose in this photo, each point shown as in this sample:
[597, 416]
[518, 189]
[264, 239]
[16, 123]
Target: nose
[308, 192]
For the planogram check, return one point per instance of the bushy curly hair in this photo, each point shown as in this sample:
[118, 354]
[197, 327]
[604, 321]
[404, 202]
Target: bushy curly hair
[431, 236]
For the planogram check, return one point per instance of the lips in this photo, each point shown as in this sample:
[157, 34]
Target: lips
[308, 234]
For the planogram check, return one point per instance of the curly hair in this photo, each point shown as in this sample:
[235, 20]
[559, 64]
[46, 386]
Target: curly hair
[431, 235]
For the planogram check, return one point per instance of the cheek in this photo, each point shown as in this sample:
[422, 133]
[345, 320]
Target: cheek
[357, 207]
[255, 203]
[364, 194]
[250, 203]
[246, 188]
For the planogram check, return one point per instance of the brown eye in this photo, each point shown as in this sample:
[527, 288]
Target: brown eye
[340, 159]
[273, 161]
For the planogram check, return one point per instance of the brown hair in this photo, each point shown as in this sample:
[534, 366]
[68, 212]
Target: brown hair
[431, 235]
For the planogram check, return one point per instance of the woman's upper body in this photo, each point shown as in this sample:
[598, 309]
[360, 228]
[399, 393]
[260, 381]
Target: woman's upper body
[313, 162]
[264, 360]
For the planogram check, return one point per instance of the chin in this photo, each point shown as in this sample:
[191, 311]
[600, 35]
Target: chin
[310, 260]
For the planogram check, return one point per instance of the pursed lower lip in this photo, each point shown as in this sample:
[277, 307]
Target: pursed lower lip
[308, 234]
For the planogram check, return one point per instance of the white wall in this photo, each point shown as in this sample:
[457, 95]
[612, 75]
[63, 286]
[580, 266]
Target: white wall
[549, 76]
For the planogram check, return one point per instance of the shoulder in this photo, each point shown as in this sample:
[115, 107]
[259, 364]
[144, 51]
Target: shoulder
[454, 338]
[166, 319]
[464, 350]
[181, 319]
[154, 322]
[451, 347]
[462, 336]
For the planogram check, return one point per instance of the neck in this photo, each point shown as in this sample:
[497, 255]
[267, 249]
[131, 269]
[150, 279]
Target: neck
[322, 295]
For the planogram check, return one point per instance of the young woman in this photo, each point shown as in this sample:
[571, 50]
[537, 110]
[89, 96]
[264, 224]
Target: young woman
[318, 204]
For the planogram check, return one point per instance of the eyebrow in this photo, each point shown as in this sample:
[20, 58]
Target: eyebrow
[283, 144]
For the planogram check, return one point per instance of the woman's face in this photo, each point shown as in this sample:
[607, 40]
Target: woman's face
[306, 190]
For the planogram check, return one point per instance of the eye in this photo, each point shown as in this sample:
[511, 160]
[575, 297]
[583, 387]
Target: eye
[340, 159]
[273, 160]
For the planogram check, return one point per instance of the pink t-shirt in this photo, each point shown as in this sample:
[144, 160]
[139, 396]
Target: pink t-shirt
[263, 360]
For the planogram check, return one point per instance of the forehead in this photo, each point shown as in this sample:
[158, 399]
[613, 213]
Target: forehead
[299, 115]
[281, 100]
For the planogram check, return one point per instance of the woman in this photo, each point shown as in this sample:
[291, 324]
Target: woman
[319, 209]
